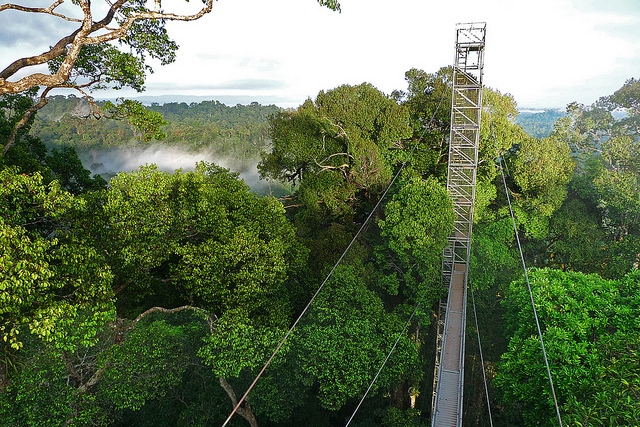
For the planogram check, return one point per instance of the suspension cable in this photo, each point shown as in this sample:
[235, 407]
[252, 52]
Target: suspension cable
[526, 275]
[484, 375]
[423, 293]
[388, 356]
[362, 227]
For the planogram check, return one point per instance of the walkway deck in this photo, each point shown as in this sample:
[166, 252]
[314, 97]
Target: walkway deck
[466, 111]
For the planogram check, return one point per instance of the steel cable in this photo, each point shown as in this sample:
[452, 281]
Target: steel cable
[526, 275]
[362, 227]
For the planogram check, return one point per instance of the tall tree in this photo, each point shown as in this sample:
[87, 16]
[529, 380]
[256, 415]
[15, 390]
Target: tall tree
[341, 144]
[87, 58]
[428, 99]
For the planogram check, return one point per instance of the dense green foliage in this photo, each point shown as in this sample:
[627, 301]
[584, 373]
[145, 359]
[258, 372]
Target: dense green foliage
[591, 328]
[342, 144]
[157, 299]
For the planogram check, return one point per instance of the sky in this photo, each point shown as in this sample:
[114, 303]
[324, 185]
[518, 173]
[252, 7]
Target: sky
[546, 53]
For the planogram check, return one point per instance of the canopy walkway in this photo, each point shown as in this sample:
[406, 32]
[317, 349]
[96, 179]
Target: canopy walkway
[464, 140]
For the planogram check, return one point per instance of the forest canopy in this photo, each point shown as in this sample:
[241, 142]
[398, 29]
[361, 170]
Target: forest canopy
[155, 298]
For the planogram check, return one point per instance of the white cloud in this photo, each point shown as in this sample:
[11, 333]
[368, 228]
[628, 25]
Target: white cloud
[546, 53]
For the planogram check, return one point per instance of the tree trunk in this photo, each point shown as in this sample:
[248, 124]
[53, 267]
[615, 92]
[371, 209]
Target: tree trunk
[245, 412]
[400, 397]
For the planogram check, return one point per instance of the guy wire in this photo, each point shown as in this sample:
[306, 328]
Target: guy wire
[362, 227]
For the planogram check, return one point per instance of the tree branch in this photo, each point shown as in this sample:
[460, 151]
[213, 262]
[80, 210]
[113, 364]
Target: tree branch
[78, 39]
[25, 118]
[245, 412]
[48, 10]
[208, 318]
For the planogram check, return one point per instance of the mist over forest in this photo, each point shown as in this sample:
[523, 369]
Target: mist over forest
[128, 157]
[231, 137]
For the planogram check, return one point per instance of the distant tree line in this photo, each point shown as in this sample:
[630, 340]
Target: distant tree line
[539, 124]
[239, 131]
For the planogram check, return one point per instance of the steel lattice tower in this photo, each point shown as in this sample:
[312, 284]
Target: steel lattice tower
[466, 108]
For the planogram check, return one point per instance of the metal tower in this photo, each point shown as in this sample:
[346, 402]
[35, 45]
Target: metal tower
[464, 139]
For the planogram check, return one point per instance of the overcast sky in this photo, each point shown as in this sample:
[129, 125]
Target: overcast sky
[546, 53]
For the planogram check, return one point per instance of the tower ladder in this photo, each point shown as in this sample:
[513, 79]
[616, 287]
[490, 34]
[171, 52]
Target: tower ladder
[466, 108]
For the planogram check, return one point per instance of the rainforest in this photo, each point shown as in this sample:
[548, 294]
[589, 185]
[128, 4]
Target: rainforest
[167, 264]
[154, 297]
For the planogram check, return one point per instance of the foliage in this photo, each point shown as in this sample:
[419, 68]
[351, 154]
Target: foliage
[338, 347]
[201, 236]
[98, 383]
[151, 361]
[336, 146]
[418, 220]
[494, 258]
[410, 418]
[51, 283]
[235, 344]
[134, 113]
[428, 99]
[595, 136]
[543, 168]
[586, 320]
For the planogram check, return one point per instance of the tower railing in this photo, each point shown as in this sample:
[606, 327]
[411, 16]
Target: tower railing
[466, 109]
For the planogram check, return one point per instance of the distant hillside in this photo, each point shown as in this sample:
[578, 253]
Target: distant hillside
[240, 130]
[539, 123]
[231, 136]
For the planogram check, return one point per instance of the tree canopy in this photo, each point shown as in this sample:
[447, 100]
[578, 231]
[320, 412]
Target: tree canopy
[342, 143]
[157, 299]
[591, 334]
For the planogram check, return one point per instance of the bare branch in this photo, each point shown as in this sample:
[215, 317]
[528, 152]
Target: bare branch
[342, 131]
[335, 154]
[48, 10]
[342, 167]
[25, 118]
[126, 25]
[59, 78]
[208, 318]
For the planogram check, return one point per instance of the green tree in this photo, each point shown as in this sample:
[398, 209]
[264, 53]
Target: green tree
[428, 99]
[128, 366]
[156, 239]
[337, 146]
[337, 349]
[197, 236]
[590, 330]
[52, 284]
[543, 168]
[417, 222]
